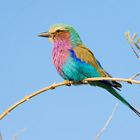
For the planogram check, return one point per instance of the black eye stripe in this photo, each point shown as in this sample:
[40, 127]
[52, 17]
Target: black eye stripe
[59, 30]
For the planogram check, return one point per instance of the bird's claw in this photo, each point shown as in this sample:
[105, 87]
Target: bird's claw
[68, 83]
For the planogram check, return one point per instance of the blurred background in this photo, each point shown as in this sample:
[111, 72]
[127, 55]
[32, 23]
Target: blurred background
[66, 113]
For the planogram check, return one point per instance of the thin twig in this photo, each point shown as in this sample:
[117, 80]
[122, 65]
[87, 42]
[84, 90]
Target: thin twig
[137, 46]
[135, 76]
[132, 43]
[68, 83]
[107, 122]
[1, 138]
[19, 133]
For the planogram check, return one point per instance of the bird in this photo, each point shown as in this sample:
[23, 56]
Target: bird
[75, 62]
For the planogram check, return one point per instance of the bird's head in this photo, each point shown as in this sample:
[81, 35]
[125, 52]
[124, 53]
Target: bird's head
[62, 32]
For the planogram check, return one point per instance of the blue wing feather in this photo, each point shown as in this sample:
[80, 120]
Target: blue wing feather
[77, 70]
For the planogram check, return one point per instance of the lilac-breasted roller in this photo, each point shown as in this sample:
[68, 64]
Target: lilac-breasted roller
[75, 62]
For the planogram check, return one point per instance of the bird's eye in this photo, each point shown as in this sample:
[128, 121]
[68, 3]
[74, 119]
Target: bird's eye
[58, 31]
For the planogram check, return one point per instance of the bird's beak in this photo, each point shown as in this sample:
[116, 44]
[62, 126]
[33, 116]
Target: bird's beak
[45, 34]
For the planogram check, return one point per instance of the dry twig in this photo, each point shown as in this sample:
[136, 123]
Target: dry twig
[68, 83]
[135, 76]
[107, 122]
[15, 137]
[134, 42]
[1, 138]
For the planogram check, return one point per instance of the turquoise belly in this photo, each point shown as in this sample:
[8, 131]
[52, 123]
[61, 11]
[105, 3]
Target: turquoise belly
[77, 70]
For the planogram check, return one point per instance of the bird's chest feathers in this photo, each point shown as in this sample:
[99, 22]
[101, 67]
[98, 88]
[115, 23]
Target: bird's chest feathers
[60, 54]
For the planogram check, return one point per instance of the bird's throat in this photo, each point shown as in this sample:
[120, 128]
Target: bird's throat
[60, 54]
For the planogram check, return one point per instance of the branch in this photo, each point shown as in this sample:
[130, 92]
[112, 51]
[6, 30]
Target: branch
[133, 43]
[107, 122]
[67, 83]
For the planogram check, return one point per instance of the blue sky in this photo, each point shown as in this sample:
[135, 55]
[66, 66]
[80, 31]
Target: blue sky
[67, 112]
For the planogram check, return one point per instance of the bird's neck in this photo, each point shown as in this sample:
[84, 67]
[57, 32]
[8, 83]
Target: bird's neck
[62, 44]
[67, 40]
[75, 39]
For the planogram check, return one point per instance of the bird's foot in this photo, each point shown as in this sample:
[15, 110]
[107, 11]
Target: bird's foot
[68, 83]
[84, 82]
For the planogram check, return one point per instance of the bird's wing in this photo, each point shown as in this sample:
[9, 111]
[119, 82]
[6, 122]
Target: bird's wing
[84, 54]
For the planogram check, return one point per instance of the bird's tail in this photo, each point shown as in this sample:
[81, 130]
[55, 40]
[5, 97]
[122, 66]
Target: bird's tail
[118, 96]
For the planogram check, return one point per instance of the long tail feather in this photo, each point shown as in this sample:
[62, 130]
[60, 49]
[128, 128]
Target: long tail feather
[117, 95]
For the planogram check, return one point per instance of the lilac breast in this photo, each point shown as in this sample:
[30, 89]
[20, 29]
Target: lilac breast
[60, 54]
